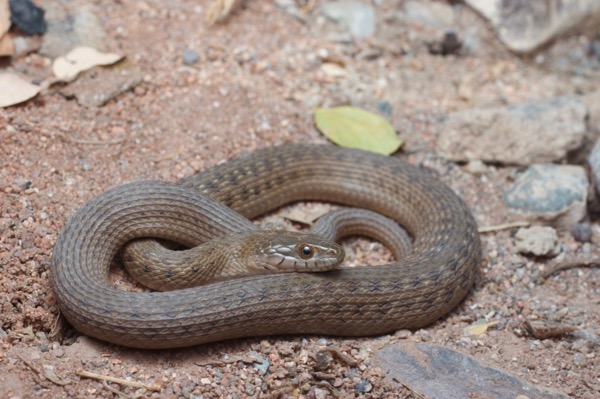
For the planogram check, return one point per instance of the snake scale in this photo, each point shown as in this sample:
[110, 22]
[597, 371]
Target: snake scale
[414, 291]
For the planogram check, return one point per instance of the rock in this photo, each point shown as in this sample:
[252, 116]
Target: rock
[594, 162]
[582, 232]
[551, 193]
[28, 17]
[435, 372]
[431, 14]
[534, 132]
[363, 386]
[357, 17]
[71, 27]
[524, 26]
[96, 89]
[592, 102]
[261, 364]
[538, 241]
[476, 168]
[190, 56]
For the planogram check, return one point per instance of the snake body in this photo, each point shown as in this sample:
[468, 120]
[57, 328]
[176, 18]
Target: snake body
[410, 293]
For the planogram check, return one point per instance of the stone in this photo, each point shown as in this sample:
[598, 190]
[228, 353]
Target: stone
[363, 386]
[190, 56]
[592, 102]
[533, 132]
[96, 89]
[538, 241]
[594, 162]
[28, 17]
[476, 167]
[582, 232]
[355, 16]
[525, 26]
[551, 193]
[432, 371]
[431, 14]
[70, 26]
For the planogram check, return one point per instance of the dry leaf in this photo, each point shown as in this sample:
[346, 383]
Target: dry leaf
[81, 59]
[479, 328]
[4, 17]
[15, 90]
[356, 128]
[6, 46]
[334, 70]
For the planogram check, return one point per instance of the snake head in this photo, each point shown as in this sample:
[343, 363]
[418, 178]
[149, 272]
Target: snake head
[286, 251]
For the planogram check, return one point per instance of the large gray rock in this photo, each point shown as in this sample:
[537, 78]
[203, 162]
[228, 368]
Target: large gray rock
[534, 132]
[594, 163]
[357, 17]
[429, 13]
[70, 26]
[526, 25]
[432, 371]
[556, 194]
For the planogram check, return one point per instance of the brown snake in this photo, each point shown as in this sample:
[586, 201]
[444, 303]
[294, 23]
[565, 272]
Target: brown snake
[410, 293]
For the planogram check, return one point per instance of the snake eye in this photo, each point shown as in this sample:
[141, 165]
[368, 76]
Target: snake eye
[306, 251]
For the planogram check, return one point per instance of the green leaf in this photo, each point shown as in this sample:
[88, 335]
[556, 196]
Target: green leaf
[356, 128]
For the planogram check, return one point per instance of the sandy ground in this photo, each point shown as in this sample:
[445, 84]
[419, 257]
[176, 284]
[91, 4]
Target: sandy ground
[256, 84]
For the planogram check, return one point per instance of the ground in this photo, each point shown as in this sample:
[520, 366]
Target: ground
[258, 79]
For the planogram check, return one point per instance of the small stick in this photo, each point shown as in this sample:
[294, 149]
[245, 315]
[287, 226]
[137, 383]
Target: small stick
[74, 140]
[30, 365]
[113, 390]
[88, 374]
[570, 264]
[505, 226]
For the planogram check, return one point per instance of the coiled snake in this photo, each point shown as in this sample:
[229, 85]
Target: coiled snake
[414, 291]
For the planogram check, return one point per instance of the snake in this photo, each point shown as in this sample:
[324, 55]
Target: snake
[254, 251]
[409, 293]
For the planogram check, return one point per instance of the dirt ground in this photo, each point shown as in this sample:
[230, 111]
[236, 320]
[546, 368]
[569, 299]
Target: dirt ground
[257, 81]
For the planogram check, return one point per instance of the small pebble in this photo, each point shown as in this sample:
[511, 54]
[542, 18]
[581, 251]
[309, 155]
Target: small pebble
[190, 57]
[476, 167]
[323, 360]
[579, 360]
[582, 232]
[363, 386]
[402, 334]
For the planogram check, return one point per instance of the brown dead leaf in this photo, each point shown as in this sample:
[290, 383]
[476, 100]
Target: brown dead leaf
[6, 46]
[478, 328]
[4, 17]
[15, 90]
[81, 59]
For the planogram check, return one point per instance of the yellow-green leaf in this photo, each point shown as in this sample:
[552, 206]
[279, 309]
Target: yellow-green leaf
[356, 128]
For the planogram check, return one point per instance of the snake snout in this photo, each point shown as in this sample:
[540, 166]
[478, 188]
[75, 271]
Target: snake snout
[303, 253]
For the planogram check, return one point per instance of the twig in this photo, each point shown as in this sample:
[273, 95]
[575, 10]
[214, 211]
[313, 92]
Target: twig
[74, 140]
[47, 372]
[344, 358]
[505, 226]
[88, 374]
[30, 365]
[113, 390]
[570, 264]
